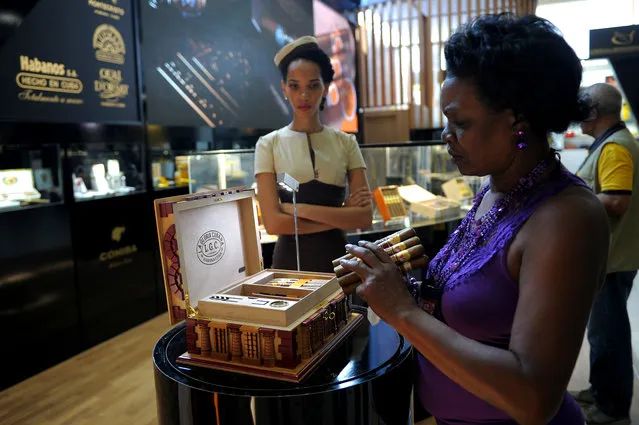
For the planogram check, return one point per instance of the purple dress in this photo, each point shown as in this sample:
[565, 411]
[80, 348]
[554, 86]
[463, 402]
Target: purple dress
[479, 302]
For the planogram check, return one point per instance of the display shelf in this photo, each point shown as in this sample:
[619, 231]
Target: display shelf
[425, 164]
[378, 226]
[30, 176]
[105, 170]
[171, 147]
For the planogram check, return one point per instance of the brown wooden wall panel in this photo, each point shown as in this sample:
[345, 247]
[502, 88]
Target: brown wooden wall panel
[401, 51]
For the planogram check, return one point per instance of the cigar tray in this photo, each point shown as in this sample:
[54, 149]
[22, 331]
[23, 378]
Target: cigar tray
[427, 204]
[438, 208]
[276, 324]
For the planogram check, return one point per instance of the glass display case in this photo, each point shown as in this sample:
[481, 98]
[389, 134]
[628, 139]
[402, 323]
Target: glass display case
[220, 169]
[426, 164]
[168, 169]
[102, 170]
[167, 145]
[170, 147]
[30, 176]
[420, 177]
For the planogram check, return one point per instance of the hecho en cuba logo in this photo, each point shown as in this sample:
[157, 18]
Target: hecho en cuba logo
[211, 247]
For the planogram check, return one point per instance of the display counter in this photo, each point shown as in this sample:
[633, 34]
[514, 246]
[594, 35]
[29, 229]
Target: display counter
[30, 176]
[77, 225]
[169, 148]
[368, 379]
[106, 169]
[415, 221]
[425, 165]
[417, 170]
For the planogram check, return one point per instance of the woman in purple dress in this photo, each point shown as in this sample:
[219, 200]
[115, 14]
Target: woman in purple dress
[516, 280]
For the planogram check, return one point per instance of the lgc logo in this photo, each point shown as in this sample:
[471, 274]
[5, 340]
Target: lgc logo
[211, 247]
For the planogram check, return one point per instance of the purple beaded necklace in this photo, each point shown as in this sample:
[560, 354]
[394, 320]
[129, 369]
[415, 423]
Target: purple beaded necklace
[473, 234]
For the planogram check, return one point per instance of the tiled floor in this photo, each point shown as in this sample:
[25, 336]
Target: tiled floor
[580, 376]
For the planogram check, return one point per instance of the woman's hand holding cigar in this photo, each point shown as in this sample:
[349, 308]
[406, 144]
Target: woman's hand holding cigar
[403, 248]
[379, 279]
[412, 245]
[386, 242]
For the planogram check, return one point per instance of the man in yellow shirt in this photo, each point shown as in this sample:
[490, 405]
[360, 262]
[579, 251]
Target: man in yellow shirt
[611, 171]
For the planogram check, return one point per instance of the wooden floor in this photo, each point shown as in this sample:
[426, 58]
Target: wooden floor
[112, 384]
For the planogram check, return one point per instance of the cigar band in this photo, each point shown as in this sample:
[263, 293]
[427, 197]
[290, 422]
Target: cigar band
[385, 245]
[398, 248]
[429, 307]
[402, 256]
[299, 283]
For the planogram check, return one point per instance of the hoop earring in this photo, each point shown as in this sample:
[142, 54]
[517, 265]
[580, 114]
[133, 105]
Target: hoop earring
[521, 143]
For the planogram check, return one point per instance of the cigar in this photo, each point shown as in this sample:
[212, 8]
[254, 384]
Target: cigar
[386, 242]
[402, 246]
[408, 254]
[348, 255]
[399, 258]
[397, 237]
[415, 264]
[351, 280]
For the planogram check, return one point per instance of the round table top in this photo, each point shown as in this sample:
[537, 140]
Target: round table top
[369, 352]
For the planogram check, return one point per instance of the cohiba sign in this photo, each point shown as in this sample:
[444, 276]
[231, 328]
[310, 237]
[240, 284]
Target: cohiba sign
[617, 41]
[121, 253]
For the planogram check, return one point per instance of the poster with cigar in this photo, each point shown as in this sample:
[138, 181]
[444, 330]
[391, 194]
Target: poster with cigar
[405, 250]
[211, 63]
[335, 36]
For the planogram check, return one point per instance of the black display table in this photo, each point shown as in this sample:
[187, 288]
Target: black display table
[367, 380]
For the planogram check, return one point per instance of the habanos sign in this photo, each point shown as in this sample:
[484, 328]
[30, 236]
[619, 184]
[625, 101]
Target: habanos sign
[74, 68]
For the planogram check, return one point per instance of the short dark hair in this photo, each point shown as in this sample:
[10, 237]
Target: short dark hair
[521, 63]
[311, 52]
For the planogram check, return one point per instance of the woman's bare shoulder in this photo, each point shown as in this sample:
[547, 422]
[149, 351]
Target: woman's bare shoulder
[574, 208]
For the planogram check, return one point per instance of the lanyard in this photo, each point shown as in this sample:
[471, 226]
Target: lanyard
[599, 140]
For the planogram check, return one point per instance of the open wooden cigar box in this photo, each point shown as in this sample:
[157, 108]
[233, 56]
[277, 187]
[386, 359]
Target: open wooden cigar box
[277, 324]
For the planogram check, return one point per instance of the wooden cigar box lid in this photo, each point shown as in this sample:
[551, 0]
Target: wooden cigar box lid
[207, 241]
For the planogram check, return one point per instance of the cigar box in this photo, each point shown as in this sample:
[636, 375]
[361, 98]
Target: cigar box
[427, 204]
[438, 208]
[458, 189]
[277, 324]
[390, 204]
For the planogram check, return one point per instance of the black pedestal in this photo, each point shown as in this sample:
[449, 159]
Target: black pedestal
[367, 380]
